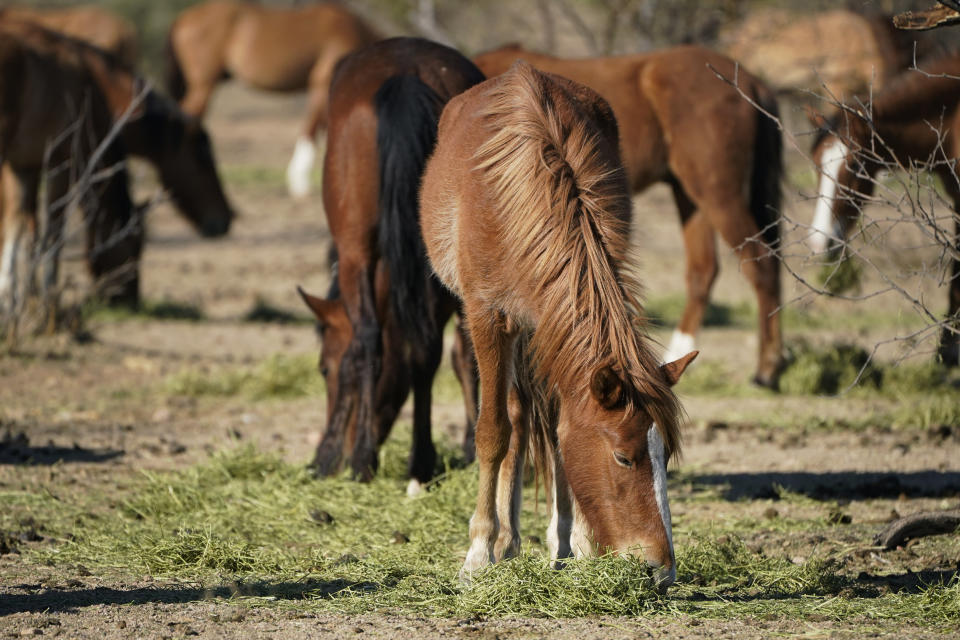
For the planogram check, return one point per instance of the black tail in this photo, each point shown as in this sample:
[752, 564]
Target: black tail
[176, 85]
[767, 171]
[407, 114]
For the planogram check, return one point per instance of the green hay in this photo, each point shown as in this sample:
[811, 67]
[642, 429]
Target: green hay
[842, 276]
[279, 376]
[828, 371]
[95, 310]
[250, 521]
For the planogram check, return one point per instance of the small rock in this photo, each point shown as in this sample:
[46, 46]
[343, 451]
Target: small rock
[30, 631]
[399, 537]
[175, 448]
[357, 630]
[121, 624]
[770, 513]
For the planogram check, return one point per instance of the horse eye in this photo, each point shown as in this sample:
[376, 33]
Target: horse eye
[623, 460]
[324, 371]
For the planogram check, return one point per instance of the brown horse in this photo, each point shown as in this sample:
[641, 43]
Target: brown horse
[525, 212]
[681, 124]
[53, 115]
[288, 49]
[92, 24]
[382, 323]
[154, 128]
[915, 118]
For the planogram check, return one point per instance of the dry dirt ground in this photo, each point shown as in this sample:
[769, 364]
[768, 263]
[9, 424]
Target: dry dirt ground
[84, 405]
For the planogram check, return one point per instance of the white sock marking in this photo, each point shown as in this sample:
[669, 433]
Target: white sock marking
[298, 171]
[659, 467]
[414, 488]
[680, 345]
[825, 225]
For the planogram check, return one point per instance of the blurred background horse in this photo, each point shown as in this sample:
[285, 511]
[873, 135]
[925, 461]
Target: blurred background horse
[683, 125]
[276, 49]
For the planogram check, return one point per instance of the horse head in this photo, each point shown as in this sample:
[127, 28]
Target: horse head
[614, 455]
[180, 147]
[845, 169]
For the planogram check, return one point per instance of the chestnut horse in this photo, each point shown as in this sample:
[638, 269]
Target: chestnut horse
[382, 323]
[276, 49]
[525, 212]
[681, 124]
[53, 115]
[92, 24]
[915, 118]
[154, 129]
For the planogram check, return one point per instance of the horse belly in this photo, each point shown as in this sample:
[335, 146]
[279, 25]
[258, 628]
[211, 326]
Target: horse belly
[256, 58]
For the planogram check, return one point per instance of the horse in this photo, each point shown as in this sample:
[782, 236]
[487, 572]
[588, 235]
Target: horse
[525, 211]
[54, 116]
[275, 49]
[92, 24]
[681, 124]
[382, 321]
[151, 127]
[915, 118]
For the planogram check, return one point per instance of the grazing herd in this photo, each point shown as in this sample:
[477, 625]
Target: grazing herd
[497, 190]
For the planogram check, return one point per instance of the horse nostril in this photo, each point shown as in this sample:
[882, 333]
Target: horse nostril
[214, 228]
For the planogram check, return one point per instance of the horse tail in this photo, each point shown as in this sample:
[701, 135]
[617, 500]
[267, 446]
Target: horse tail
[407, 113]
[542, 413]
[176, 84]
[767, 169]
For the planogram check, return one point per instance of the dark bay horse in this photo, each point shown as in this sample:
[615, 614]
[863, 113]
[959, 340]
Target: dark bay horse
[525, 210]
[915, 118]
[276, 49]
[681, 124]
[92, 24]
[382, 323]
[54, 116]
[153, 128]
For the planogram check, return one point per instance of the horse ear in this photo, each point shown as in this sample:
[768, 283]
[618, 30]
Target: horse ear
[816, 118]
[322, 309]
[673, 370]
[607, 388]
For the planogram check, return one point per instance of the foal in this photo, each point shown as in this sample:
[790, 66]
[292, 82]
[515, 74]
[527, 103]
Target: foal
[525, 212]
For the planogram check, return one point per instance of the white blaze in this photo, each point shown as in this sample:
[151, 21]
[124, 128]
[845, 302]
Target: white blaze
[680, 345]
[298, 171]
[825, 224]
[658, 464]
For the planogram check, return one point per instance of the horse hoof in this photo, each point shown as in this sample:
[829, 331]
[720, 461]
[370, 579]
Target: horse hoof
[771, 382]
[414, 488]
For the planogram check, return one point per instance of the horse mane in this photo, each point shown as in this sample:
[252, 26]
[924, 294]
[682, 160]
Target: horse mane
[552, 163]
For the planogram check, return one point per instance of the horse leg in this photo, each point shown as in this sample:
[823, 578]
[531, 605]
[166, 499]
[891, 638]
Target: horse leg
[20, 210]
[510, 482]
[700, 246]
[115, 237]
[761, 267]
[949, 347]
[493, 343]
[464, 363]
[423, 455]
[560, 529]
[51, 244]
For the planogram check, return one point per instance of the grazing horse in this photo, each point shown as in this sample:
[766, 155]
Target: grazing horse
[92, 24]
[276, 49]
[53, 115]
[915, 118]
[525, 211]
[153, 128]
[382, 322]
[681, 124]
